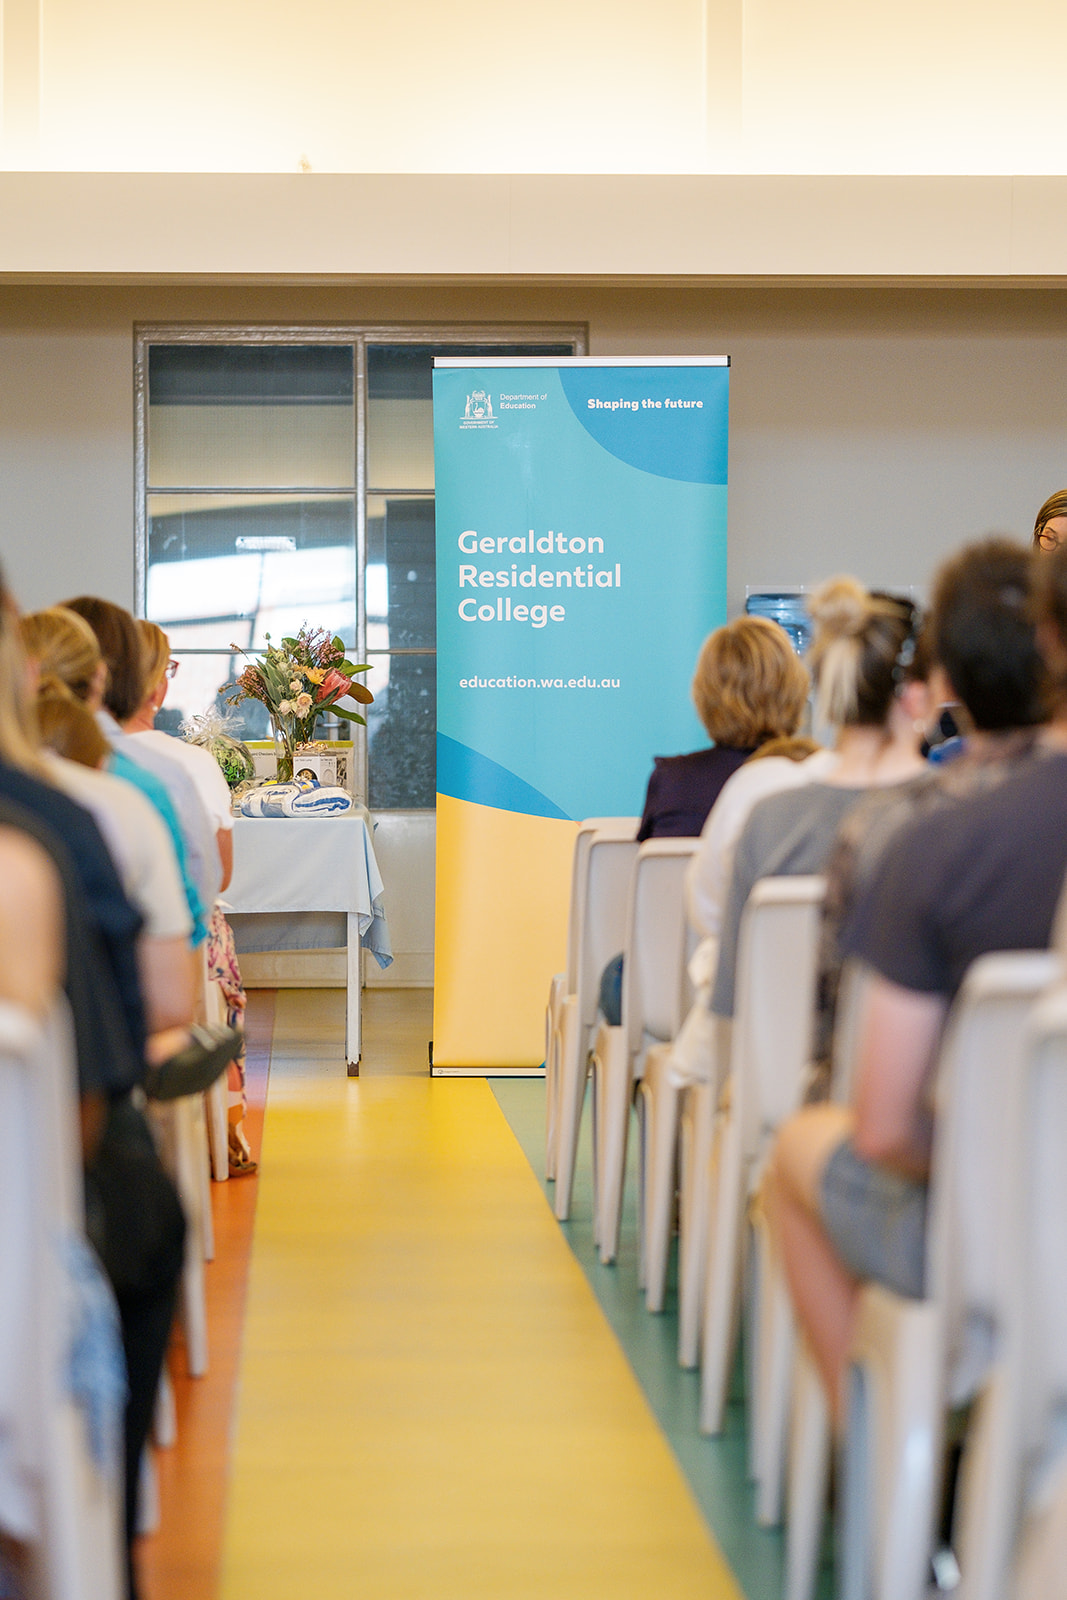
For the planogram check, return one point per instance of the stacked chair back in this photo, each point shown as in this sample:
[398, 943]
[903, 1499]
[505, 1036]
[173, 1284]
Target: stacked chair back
[601, 933]
[52, 1492]
[566, 983]
[770, 1053]
[996, 1168]
[655, 996]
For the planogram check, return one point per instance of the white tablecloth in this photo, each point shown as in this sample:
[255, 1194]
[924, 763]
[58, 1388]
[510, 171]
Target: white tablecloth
[295, 864]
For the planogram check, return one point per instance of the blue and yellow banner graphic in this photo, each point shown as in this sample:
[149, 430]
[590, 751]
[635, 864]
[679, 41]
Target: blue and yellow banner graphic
[581, 561]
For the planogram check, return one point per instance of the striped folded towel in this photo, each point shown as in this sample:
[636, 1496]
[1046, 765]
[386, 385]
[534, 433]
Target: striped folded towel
[268, 799]
[325, 801]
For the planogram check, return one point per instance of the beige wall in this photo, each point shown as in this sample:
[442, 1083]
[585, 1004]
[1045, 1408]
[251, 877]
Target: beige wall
[563, 86]
[871, 429]
[370, 228]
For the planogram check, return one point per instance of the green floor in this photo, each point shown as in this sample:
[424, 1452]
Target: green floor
[715, 1467]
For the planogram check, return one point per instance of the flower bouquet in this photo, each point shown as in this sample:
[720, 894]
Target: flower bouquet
[298, 680]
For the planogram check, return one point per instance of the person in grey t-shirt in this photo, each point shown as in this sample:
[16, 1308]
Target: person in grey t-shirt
[858, 660]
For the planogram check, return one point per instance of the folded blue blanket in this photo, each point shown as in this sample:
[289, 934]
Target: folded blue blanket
[321, 802]
[295, 800]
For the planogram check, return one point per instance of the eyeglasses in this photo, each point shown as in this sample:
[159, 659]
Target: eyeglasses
[1049, 541]
[172, 667]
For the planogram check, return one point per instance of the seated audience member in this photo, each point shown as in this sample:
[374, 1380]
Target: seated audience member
[214, 791]
[778, 764]
[859, 656]
[139, 846]
[848, 1187]
[749, 687]
[1050, 524]
[201, 766]
[120, 645]
[133, 1212]
[981, 634]
[64, 648]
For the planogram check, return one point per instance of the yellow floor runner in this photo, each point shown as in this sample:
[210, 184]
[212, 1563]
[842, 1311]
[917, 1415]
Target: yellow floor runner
[432, 1404]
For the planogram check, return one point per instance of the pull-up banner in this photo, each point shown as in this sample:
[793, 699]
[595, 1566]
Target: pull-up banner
[581, 562]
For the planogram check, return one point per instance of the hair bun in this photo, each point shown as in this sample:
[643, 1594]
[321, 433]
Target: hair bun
[51, 686]
[841, 607]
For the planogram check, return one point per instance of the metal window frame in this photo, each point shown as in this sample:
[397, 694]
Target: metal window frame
[359, 335]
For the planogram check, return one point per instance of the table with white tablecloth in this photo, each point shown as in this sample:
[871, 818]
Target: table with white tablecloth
[324, 864]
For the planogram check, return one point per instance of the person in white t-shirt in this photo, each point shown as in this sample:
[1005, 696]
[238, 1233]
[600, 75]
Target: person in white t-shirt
[214, 791]
[200, 765]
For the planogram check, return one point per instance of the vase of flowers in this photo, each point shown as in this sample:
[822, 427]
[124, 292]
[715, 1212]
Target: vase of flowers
[298, 680]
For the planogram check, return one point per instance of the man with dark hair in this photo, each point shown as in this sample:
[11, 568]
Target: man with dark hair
[982, 636]
[848, 1186]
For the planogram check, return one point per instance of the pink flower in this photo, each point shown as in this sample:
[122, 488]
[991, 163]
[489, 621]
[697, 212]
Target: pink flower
[334, 685]
[302, 704]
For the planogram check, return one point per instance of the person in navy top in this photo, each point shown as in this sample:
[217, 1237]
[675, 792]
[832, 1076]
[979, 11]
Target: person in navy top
[749, 686]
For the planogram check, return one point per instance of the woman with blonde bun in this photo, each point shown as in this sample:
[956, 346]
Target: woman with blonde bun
[859, 657]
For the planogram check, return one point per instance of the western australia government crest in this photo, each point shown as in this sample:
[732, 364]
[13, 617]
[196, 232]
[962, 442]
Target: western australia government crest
[478, 412]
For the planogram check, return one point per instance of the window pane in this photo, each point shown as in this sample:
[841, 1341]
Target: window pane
[247, 415]
[226, 570]
[401, 729]
[400, 579]
[199, 685]
[400, 406]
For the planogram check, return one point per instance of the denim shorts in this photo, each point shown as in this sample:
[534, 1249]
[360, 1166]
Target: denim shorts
[876, 1221]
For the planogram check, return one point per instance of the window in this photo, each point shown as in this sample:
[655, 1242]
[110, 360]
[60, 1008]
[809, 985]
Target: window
[286, 475]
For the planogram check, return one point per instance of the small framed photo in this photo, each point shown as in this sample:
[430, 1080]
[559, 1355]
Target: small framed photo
[321, 765]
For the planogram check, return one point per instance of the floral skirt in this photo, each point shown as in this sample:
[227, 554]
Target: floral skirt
[222, 969]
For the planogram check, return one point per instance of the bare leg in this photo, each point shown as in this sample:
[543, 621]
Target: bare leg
[823, 1291]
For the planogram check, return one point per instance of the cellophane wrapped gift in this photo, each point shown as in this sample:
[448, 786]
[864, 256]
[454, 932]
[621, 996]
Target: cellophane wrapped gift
[214, 732]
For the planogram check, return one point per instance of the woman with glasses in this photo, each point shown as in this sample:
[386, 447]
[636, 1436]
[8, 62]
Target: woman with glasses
[214, 791]
[159, 668]
[1050, 528]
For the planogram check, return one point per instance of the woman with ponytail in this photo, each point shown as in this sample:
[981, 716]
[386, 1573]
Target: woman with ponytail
[860, 657]
[65, 651]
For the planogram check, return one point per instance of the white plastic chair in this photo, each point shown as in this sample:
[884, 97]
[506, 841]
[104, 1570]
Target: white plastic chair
[566, 983]
[911, 1359]
[770, 1051]
[655, 998]
[696, 1136]
[661, 1099]
[602, 936]
[1017, 1448]
[72, 1510]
